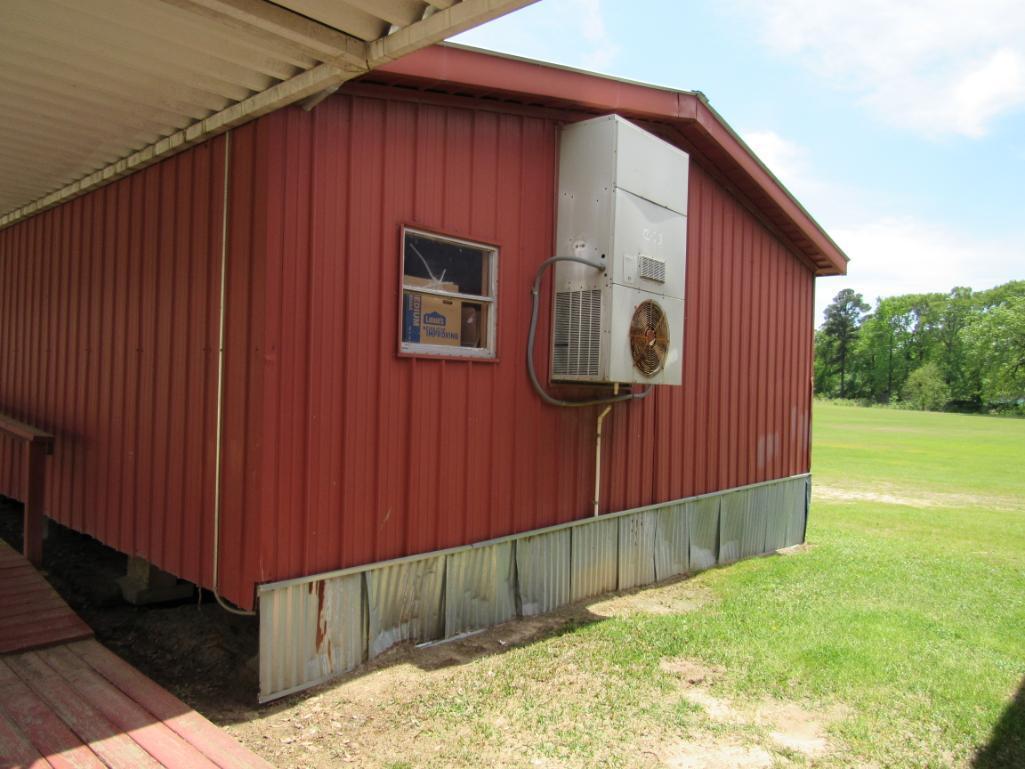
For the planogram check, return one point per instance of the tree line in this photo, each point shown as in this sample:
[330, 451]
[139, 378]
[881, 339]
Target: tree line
[963, 350]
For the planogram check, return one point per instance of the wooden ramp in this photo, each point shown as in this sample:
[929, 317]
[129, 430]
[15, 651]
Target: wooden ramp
[67, 701]
[31, 613]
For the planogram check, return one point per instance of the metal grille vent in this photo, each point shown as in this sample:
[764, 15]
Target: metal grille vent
[653, 269]
[649, 338]
[577, 333]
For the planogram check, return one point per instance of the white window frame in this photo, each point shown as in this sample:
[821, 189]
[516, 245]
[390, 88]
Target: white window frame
[490, 253]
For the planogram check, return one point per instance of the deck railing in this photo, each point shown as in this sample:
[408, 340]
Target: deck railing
[37, 446]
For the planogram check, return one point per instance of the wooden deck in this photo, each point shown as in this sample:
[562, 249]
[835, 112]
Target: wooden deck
[31, 613]
[67, 703]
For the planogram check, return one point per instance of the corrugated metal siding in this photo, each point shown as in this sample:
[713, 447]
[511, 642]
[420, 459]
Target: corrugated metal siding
[703, 528]
[337, 452]
[672, 542]
[405, 603]
[637, 549]
[594, 559]
[543, 572]
[311, 627]
[368, 456]
[108, 339]
[322, 625]
[480, 588]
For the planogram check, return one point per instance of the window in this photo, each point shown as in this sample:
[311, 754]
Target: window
[448, 296]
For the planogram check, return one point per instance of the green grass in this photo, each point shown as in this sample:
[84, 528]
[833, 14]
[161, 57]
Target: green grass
[912, 615]
[907, 611]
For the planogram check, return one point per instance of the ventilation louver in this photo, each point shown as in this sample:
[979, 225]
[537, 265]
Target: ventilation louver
[652, 269]
[649, 338]
[577, 340]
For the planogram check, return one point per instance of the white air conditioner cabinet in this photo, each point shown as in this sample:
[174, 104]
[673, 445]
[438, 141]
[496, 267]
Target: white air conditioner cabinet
[622, 201]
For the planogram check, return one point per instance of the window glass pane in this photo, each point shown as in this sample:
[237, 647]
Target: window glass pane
[445, 266]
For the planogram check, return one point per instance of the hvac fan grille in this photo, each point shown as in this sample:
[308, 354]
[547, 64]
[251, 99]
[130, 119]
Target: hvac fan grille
[649, 338]
[652, 269]
[577, 333]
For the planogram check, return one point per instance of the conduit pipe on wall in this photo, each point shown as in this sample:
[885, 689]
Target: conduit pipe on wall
[535, 292]
[220, 387]
[536, 295]
[597, 451]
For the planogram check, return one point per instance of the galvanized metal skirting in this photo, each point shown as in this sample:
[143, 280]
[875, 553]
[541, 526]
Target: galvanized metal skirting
[315, 628]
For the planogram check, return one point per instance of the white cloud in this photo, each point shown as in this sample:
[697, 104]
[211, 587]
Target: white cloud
[890, 255]
[790, 163]
[904, 255]
[602, 49]
[933, 66]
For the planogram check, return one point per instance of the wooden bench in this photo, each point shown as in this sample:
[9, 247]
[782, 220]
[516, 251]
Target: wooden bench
[37, 446]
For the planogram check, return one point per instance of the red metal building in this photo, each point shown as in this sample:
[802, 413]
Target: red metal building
[328, 448]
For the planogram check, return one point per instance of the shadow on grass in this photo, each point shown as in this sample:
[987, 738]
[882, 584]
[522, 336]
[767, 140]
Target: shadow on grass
[1006, 746]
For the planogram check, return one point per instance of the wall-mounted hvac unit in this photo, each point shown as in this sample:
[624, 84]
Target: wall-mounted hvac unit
[622, 201]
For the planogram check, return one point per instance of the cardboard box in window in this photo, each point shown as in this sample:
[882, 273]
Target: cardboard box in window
[437, 285]
[429, 319]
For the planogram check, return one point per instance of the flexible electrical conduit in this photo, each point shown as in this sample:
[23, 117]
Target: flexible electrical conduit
[220, 388]
[536, 294]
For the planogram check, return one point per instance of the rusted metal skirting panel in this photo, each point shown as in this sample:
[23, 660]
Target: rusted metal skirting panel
[732, 510]
[404, 603]
[543, 572]
[777, 522]
[672, 542]
[594, 558]
[637, 549]
[798, 503]
[703, 530]
[756, 510]
[480, 588]
[322, 624]
[315, 628]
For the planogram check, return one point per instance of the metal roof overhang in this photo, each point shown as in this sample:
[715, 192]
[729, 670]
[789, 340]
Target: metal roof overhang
[684, 117]
[90, 91]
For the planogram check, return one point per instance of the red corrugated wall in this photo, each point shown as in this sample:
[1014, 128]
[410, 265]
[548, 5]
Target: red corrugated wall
[108, 339]
[336, 451]
[365, 456]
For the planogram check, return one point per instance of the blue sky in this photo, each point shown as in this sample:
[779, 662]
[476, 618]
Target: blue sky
[900, 126]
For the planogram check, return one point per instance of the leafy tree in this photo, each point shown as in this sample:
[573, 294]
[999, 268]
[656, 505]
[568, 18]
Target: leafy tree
[914, 345]
[886, 337]
[954, 312]
[843, 318]
[925, 388]
[996, 339]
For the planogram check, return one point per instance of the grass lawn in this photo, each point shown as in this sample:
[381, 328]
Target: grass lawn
[899, 634]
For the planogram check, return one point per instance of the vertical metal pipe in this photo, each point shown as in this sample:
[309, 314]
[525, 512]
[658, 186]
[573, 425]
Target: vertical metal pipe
[220, 387]
[597, 451]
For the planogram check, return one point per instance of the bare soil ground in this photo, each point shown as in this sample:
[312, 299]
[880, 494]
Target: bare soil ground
[882, 494]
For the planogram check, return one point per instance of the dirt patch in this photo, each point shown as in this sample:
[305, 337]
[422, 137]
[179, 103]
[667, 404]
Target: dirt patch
[835, 494]
[796, 728]
[919, 499]
[712, 753]
[674, 597]
[690, 672]
[784, 725]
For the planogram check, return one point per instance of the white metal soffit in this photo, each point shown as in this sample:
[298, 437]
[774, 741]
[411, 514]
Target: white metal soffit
[90, 91]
